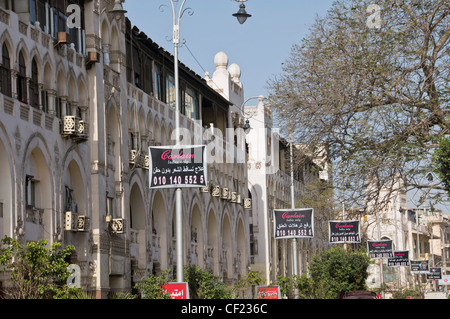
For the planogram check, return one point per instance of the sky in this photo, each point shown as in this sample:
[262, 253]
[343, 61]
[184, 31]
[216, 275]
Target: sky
[259, 46]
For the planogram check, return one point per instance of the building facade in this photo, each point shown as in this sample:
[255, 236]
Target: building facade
[423, 233]
[80, 104]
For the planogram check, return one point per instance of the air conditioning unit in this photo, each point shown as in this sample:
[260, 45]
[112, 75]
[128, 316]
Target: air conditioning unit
[215, 191]
[118, 225]
[83, 223]
[82, 128]
[146, 164]
[61, 38]
[70, 221]
[92, 58]
[205, 189]
[133, 157]
[225, 193]
[247, 203]
[70, 125]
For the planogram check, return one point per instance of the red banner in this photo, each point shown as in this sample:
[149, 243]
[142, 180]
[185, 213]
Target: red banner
[177, 290]
[265, 292]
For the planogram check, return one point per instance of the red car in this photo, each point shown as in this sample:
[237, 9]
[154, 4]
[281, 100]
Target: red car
[358, 295]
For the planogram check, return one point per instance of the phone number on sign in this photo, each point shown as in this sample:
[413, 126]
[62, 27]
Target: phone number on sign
[178, 180]
[294, 232]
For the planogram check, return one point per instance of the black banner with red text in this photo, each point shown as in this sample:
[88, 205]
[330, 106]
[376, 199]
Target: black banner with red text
[346, 231]
[380, 249]
[176, 167]
[293, 223]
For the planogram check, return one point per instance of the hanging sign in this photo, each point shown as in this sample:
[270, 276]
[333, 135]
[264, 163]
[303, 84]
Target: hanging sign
[420, 266]
[177, 290]
[380, 248]
[266, 292]
[177, 166]
[400, 259]
[435, 273]
[346, 231]
[293, 223]
[445, 281]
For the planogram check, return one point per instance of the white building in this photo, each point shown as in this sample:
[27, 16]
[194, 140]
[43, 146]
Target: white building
[75, 123]
[79, 108]
[425, 238]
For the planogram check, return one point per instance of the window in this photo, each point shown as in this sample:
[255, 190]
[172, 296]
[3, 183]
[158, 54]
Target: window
[21, 80]
[44, 101]
[5, 72]
[30, 191]
[58, 107]
[158, 82]
[191, 104]
[110, 206]
[137, 68]
[71, 206]
[1, 210]
[170, 90]
[148, 83]
[34, 86]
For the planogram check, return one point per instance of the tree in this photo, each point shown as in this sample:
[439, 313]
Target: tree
[442, 162]
[332, 272]
[376, 95]
[151, 287]
[37, 272]
[203, 284]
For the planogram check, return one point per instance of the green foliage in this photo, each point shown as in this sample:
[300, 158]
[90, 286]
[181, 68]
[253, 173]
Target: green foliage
[205, 285]
[332, 272]
[304, 286]
[441, 160]
[285, 284]
[253, 278]
[414, 293]
[37, 272]
[150, 287]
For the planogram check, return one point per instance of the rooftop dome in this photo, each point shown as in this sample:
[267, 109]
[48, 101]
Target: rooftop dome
[221, 60]
[235, 71]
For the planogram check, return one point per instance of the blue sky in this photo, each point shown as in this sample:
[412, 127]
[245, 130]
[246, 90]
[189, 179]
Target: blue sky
[259, 46]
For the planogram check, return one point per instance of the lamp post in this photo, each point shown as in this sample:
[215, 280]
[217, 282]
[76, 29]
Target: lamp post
[177, 14]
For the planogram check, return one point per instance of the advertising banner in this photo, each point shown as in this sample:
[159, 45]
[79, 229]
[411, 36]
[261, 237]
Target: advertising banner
[400, 259]
[435, 273]
[380, 249]
[266, 292]
[293, 223]
[420, 266]
[346, 231]
[177, 167]
[445, 281]
[177, 290]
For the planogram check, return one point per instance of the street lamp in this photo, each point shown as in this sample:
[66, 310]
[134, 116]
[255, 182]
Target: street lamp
[241, 15]
[176, 17]
[246, 127]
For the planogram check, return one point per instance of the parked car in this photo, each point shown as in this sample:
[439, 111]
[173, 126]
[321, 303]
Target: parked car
[361, 294]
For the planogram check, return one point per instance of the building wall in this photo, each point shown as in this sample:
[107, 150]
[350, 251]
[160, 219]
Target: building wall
[94, 176]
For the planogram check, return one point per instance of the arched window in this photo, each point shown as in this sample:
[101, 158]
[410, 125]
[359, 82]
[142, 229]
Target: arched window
[34, 86]
[5, 72]
[21, 80]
